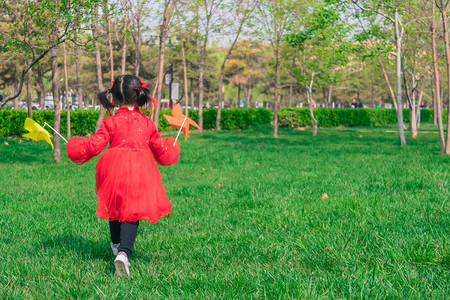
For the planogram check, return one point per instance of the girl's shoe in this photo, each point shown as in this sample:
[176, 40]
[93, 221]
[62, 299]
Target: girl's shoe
[122, 265]
[115, 248]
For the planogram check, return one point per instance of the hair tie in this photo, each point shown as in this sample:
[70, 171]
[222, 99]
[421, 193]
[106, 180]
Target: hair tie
[143, 84]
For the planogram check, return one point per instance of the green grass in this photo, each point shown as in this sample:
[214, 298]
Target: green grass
[266, 233]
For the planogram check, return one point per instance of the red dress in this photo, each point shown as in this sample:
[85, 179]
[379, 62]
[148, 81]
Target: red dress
[128, 183]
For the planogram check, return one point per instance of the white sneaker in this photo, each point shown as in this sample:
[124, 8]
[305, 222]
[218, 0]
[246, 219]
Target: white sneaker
[122, 265]
[115, 248]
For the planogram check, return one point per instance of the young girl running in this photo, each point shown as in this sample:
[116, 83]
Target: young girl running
[128, 183]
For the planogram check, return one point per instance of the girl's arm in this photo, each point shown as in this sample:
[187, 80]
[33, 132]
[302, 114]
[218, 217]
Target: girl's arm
[163, 149]
[81, 150]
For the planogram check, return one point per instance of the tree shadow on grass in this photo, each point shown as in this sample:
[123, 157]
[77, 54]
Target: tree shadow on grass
[81, 246]
[26, 151]
[87, 249]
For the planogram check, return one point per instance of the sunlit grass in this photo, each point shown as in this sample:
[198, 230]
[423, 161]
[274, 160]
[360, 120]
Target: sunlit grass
[250, 219]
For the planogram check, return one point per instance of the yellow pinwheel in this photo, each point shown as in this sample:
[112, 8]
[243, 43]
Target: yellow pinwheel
[36, 132]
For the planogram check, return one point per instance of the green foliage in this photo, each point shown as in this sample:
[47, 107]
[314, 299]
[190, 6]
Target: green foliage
[83, 121]
[235, 118]
[332, 117]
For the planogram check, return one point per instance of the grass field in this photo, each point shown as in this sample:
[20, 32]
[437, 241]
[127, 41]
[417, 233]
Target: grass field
[249, 221]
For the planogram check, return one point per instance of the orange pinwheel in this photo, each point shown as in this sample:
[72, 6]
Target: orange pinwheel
[179, 120]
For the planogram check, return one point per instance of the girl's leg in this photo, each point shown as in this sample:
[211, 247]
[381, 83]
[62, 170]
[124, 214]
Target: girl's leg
[114, 228]
[128, 232]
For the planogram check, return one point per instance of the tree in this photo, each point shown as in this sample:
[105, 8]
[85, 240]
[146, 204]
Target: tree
[44, 15]
[322, 50]
[276, 19]
[386, 9]
[242, 11]
[209, 18]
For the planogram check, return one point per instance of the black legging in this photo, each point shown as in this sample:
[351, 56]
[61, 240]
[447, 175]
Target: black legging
[125, 234]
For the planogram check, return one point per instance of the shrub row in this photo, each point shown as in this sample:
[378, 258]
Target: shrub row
[83, 121]
[332, 117]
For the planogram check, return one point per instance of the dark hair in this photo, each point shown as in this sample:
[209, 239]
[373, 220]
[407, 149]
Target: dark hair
[126, 89]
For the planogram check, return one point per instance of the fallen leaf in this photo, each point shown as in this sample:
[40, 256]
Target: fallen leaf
[203, 169]
[360, 136]
[257, 163]
[219, 185]
[325, 196]
[300, 128]
[88, 135]
[20, 141]
[6, 143]
[198, 200]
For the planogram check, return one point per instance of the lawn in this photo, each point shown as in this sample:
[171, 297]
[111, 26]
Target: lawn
[250, 220]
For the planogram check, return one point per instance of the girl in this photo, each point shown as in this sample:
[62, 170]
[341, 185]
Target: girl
[128, 183]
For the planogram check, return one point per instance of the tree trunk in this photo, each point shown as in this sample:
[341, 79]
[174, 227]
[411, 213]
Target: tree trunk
[418, 110]
[192, 96]
[239, 96]
[433, 96]
[29, 108]
[324, 96]
[108, 29]
[57, 106]
[30, 41]
[413, 116]
[16, 87]
[444, 8]
[100, 87]
[275, 98]
[399, 36]
[311, 110]
[330, 91]
[41, 88]
[437, 84]
[77, 71]
[124, 46]
[168, 13]
[186, 96]
[66, 87]
[410, 91]
[138, 44]
[290, 94]
[391, 91]
[201, 84]
[246, 94]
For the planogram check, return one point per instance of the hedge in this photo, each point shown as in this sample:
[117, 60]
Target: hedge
[83, 121]
[348, 117]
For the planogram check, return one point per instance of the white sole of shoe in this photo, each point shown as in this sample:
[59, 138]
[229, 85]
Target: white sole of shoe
[122, 269]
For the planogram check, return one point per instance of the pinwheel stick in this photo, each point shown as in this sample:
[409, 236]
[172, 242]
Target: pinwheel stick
[179, 131]
[45, 124]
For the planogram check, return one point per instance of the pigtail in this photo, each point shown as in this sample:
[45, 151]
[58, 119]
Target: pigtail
[142, 96]
[102, 97]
